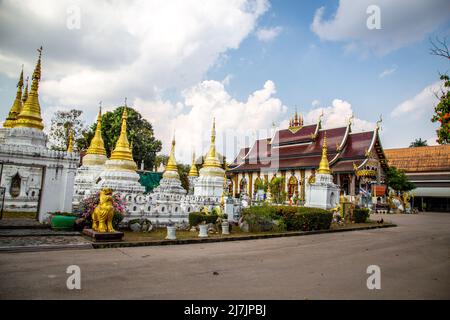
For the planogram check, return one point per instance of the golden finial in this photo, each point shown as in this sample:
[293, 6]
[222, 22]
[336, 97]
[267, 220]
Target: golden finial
[30, 116]
[324, 166]
[97, 145]
[211, 159]
[16, 108]
[350, 119]
[70, 144]
[193, 172]
[122, 150]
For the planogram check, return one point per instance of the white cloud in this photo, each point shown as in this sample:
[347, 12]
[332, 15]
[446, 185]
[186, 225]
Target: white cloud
[268, 34]
[192, 118]
[402, 22]
[387, 72]
[416, 106]
[337, 115]
[138, 49]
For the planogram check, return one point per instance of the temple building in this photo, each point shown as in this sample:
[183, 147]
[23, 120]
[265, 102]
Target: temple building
[429, 169]
[356, 159]
[33, 177]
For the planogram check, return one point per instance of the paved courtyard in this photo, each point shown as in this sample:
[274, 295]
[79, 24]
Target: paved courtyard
[414, 259]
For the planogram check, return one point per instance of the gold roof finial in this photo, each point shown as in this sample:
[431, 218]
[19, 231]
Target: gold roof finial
[25, 93]
[17, 105]
[97, 146]
[193, 172]
[378, 127]
[30, 116]
[70, 144]
[211, 159]
[122, 150]
[324, 166]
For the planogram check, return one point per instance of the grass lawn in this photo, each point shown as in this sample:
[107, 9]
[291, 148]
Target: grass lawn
[160, 234]
[19, 215]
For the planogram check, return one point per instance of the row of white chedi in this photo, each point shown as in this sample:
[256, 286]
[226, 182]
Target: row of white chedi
[169, 200]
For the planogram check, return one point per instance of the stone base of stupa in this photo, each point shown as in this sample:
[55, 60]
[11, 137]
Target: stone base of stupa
[103, 236]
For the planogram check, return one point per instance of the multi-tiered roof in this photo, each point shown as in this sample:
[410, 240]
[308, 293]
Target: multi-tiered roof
[301, 148]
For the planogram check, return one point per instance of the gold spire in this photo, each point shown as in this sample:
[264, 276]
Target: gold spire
[30, 116]
[324, 166]
[70, 145]
[25, 94]
[122, 150]
[211, 159]
[17, 105]
[171, 169]
[97, 146]
[193, 172]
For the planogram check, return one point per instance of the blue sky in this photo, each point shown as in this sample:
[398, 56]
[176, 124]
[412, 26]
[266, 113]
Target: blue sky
[193, 66]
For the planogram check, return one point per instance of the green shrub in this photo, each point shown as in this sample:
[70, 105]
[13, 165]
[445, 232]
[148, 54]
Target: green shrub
[289, 218]
[196, 218]
[360, 215]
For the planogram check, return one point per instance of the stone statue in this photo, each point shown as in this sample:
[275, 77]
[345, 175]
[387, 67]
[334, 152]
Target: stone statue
[104, 212]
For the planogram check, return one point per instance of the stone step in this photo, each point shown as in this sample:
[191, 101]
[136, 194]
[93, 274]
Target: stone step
[35, 233]
[12, 223]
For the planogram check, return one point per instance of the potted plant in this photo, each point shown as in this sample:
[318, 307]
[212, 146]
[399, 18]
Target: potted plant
[171, 231]
[63, 220]
[203, 230]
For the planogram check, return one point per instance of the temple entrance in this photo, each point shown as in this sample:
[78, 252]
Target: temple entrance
[20, 188]
[292, 187]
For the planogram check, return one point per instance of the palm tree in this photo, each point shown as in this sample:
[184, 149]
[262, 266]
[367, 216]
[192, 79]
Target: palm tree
[418, 143]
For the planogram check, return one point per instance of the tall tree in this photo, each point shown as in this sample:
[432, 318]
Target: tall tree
[277, 189]
[397, 180]
[442, 110]
[61, 124]
[139, 131]
[418, 143]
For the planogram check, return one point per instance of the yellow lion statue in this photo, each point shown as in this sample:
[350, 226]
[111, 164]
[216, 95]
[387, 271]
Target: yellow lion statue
[102, 216]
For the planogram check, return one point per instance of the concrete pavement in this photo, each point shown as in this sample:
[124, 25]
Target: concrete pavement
[414, 259]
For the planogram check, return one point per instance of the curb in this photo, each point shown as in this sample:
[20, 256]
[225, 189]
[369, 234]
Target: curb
[44, 234]
[106, 245]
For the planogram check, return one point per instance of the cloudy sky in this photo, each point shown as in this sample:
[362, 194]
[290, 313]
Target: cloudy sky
[248, 63]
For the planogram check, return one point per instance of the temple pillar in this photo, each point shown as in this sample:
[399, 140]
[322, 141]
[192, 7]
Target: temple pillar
[352, 185]
[338, 179]
[302, 185]
[250, 185]
[236, 184]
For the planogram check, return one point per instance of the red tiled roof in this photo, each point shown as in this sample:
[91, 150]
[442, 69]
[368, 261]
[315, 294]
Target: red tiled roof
[420, 159]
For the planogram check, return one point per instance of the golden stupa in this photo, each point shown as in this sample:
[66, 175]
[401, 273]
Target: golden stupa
[211, 165]
[70, 144]
[324, 166]
[30, 115]
[193, 172]
[171, 169]
[17, 105]
[122, 152]
[96, 153]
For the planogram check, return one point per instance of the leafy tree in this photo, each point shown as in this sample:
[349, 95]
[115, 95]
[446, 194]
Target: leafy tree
[183, 171]
[397, 180]
[61, 124]
[442, 112]
[418, 143]
[161, 158]
[139, 131]
[277, 189]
